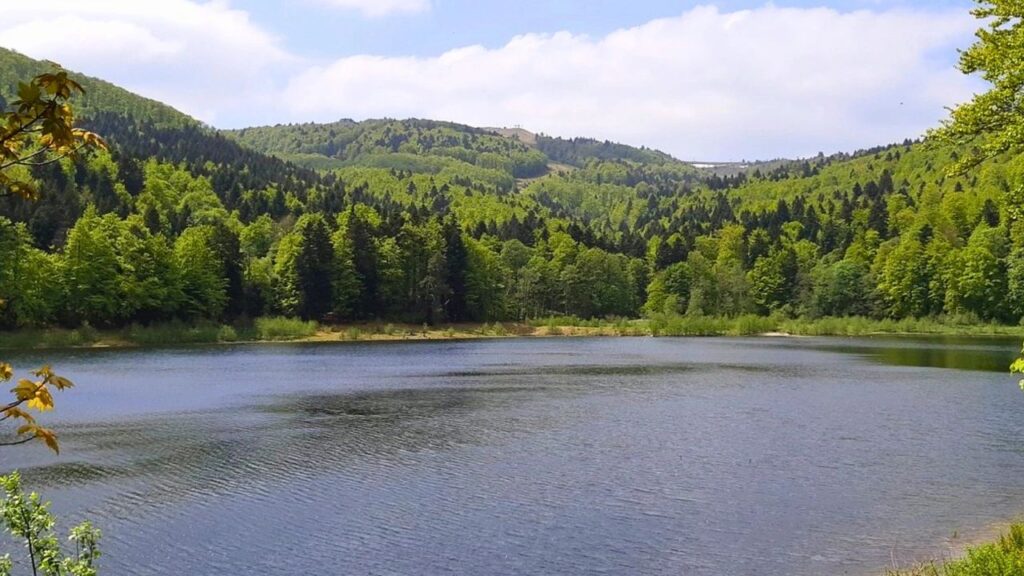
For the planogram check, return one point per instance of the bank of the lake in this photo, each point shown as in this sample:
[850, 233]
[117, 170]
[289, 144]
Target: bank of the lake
[1002, 557]
[294, 330]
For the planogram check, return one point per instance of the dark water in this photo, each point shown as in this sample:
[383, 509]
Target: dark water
[561, 456]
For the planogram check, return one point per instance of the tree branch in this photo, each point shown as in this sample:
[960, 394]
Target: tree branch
[22, 441]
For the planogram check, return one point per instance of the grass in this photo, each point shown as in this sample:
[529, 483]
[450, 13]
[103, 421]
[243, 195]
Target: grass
[281, 328]
[1005, 557]
[174, 332]
[291, 329]
[49, 338]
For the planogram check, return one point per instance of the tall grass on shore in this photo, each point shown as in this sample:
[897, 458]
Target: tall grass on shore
[281, 328]
[177, 332]
[285, 329]
[1005, 557]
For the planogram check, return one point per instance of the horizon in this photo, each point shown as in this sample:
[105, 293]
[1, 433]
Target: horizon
[561, 70]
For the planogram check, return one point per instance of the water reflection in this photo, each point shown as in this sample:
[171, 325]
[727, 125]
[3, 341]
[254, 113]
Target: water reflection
[988, 354]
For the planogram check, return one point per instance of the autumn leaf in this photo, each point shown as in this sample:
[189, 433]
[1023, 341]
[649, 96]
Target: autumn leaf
[49, 437]
[25, 390]
[42, 401]
[15, 412]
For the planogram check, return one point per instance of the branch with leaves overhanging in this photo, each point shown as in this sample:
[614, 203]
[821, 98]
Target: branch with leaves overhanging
[39, 130]
[31, 394]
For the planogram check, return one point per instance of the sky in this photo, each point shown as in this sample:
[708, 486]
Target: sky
[703, 80]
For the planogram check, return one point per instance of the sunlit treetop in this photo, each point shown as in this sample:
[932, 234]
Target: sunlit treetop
[992, 123]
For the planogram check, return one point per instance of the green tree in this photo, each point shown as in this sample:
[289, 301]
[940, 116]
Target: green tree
[314, 267]
[28, 293]
[149, 285]
[992, 122]
[92, 282]
[203, 285]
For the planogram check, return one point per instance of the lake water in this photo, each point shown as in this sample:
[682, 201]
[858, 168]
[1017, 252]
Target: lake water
[555, 456]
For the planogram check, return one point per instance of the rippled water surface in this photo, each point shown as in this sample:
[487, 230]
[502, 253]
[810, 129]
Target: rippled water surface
[557, 456]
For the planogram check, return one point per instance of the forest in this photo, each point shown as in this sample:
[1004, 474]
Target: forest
[434, 222]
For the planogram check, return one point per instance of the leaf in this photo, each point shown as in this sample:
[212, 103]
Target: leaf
[6, 372]
[60, 382]
[16, 412]
[43, 400]
[44, 372]
[49, 438]
[25, 390]
[1017, 366]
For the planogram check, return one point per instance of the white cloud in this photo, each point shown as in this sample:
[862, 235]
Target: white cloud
[378, 8]
[707, 84]
[202, 58]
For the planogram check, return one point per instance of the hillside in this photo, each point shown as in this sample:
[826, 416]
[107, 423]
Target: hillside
[430, 221]
[519, 152]
[100, 97]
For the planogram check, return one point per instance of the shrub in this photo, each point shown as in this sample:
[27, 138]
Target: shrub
[28, 518]
[281, 328]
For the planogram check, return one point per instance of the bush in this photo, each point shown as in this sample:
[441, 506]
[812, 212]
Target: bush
[27, 518]
[1002, 558]
[227, 334]
[281, 328]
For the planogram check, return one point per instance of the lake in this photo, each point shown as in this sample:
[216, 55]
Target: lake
[535, 456]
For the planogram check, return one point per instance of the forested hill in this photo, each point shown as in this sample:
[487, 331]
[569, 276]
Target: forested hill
[394, 143]
[426, 221]
[100, 97]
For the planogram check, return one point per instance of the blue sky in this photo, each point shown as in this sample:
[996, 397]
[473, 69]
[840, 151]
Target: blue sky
[709, 80]
[316, 32]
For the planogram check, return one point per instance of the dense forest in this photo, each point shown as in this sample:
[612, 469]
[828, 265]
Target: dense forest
[434, 222]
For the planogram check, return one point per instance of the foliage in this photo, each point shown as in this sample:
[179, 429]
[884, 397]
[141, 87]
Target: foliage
[31, 394]
[421, 221]
[279, 328]
[26, 518]
[993, 122]
[1005, 557]
[39, 129]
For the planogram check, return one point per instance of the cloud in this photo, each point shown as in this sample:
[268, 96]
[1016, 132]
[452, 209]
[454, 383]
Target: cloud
[201, 58]
[707, 84]
[379, 8]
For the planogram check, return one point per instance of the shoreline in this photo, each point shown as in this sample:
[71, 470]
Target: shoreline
[278, 330]
[971, 553]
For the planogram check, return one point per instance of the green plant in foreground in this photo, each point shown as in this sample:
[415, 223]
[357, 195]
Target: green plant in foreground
[27, 518]
[1004, 557]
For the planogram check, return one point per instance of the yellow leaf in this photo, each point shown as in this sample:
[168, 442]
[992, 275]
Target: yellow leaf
[43, 401]
[19, 413]
[6, 372]
[25, 390]
[49, 437]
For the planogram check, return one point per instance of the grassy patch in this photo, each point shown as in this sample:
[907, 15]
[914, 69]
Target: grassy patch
[1004, 557]
[48, 338]
[172, 333]
[281, 328]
